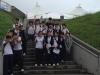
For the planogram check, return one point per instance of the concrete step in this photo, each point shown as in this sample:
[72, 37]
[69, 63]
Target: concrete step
[54, 74]
[30, 48]
[29, 59]
[29, 56]
[30, 52]
[31, 63]
[54, 67]
[54, 71]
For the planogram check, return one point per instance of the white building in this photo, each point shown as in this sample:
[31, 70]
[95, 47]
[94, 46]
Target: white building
[78, 11]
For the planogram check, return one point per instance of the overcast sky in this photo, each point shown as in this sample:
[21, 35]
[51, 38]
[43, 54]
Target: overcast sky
[56, 5]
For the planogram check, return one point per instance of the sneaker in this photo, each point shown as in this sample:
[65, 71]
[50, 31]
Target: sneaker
[36, 65]
[22, 70]
[12, 74]
[57, 64]
[49, 64]
[41, 65]
[54, 65]
[24, 54]
[46, 65]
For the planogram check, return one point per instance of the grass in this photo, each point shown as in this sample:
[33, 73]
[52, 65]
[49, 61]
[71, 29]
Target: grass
[6, 21]
[87, 28]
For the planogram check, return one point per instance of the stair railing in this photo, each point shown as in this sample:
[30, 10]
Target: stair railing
[86, 55]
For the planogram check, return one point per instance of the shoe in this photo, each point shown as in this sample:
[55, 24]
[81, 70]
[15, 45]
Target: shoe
[57, 64]
[49, 64]
[46, 65]
[24, 54]
[41, 65]
[12, 74]
[36, 65]
[54, 65]
[22, 70]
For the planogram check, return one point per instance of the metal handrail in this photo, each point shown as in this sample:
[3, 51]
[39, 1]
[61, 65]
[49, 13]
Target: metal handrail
[5, 6]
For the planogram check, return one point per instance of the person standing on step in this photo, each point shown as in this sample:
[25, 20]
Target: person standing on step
[49, 45]
[18, 53]
[61, 45]
[56, 50]
[31, 30]
[8, 55]
[22, 34]
[17, 22]
[39, 40]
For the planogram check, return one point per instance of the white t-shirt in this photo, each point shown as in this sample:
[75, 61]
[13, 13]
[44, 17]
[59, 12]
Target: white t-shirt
[18, 45]
[31, 30]
[7, 49]
[49, 39]
[38, 28]
[39, 42]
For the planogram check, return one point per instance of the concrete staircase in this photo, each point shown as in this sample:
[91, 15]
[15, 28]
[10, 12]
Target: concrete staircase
[65, 68]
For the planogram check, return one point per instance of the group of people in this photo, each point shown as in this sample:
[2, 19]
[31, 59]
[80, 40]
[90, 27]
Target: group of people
[14, 49]
[49, 38]
[50, 48]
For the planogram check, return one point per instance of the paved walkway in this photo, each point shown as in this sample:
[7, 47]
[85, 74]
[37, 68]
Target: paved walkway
[1, 63]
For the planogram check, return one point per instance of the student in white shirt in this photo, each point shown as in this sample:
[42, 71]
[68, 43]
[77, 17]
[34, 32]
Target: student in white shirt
[18, 53]
[39, 40]
[38, 28]
[8, 55]
[44, 30]
[65, 30]
[31, 31]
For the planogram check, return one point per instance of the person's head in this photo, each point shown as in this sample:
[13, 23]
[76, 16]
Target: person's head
[64, 25]
[21, 27]
[30, 23]
[61, 34]
[40, 33]
[17, 20]
[16, 26]
[9, 35]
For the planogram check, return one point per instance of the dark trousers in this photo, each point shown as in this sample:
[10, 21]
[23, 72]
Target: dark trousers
[7, 64]
[56, 58]
[31, 37]
[18, 58]
[63, 54]
[24, 47]
[48, 56]
[39, 55]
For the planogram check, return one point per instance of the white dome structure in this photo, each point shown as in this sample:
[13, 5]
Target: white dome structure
[78, 11]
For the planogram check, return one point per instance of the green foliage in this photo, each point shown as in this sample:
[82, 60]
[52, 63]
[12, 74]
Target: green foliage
[6, 21]
[87, 28]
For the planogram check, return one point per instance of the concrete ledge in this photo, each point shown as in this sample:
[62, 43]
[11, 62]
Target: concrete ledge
[89, 47]
[86, 55]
